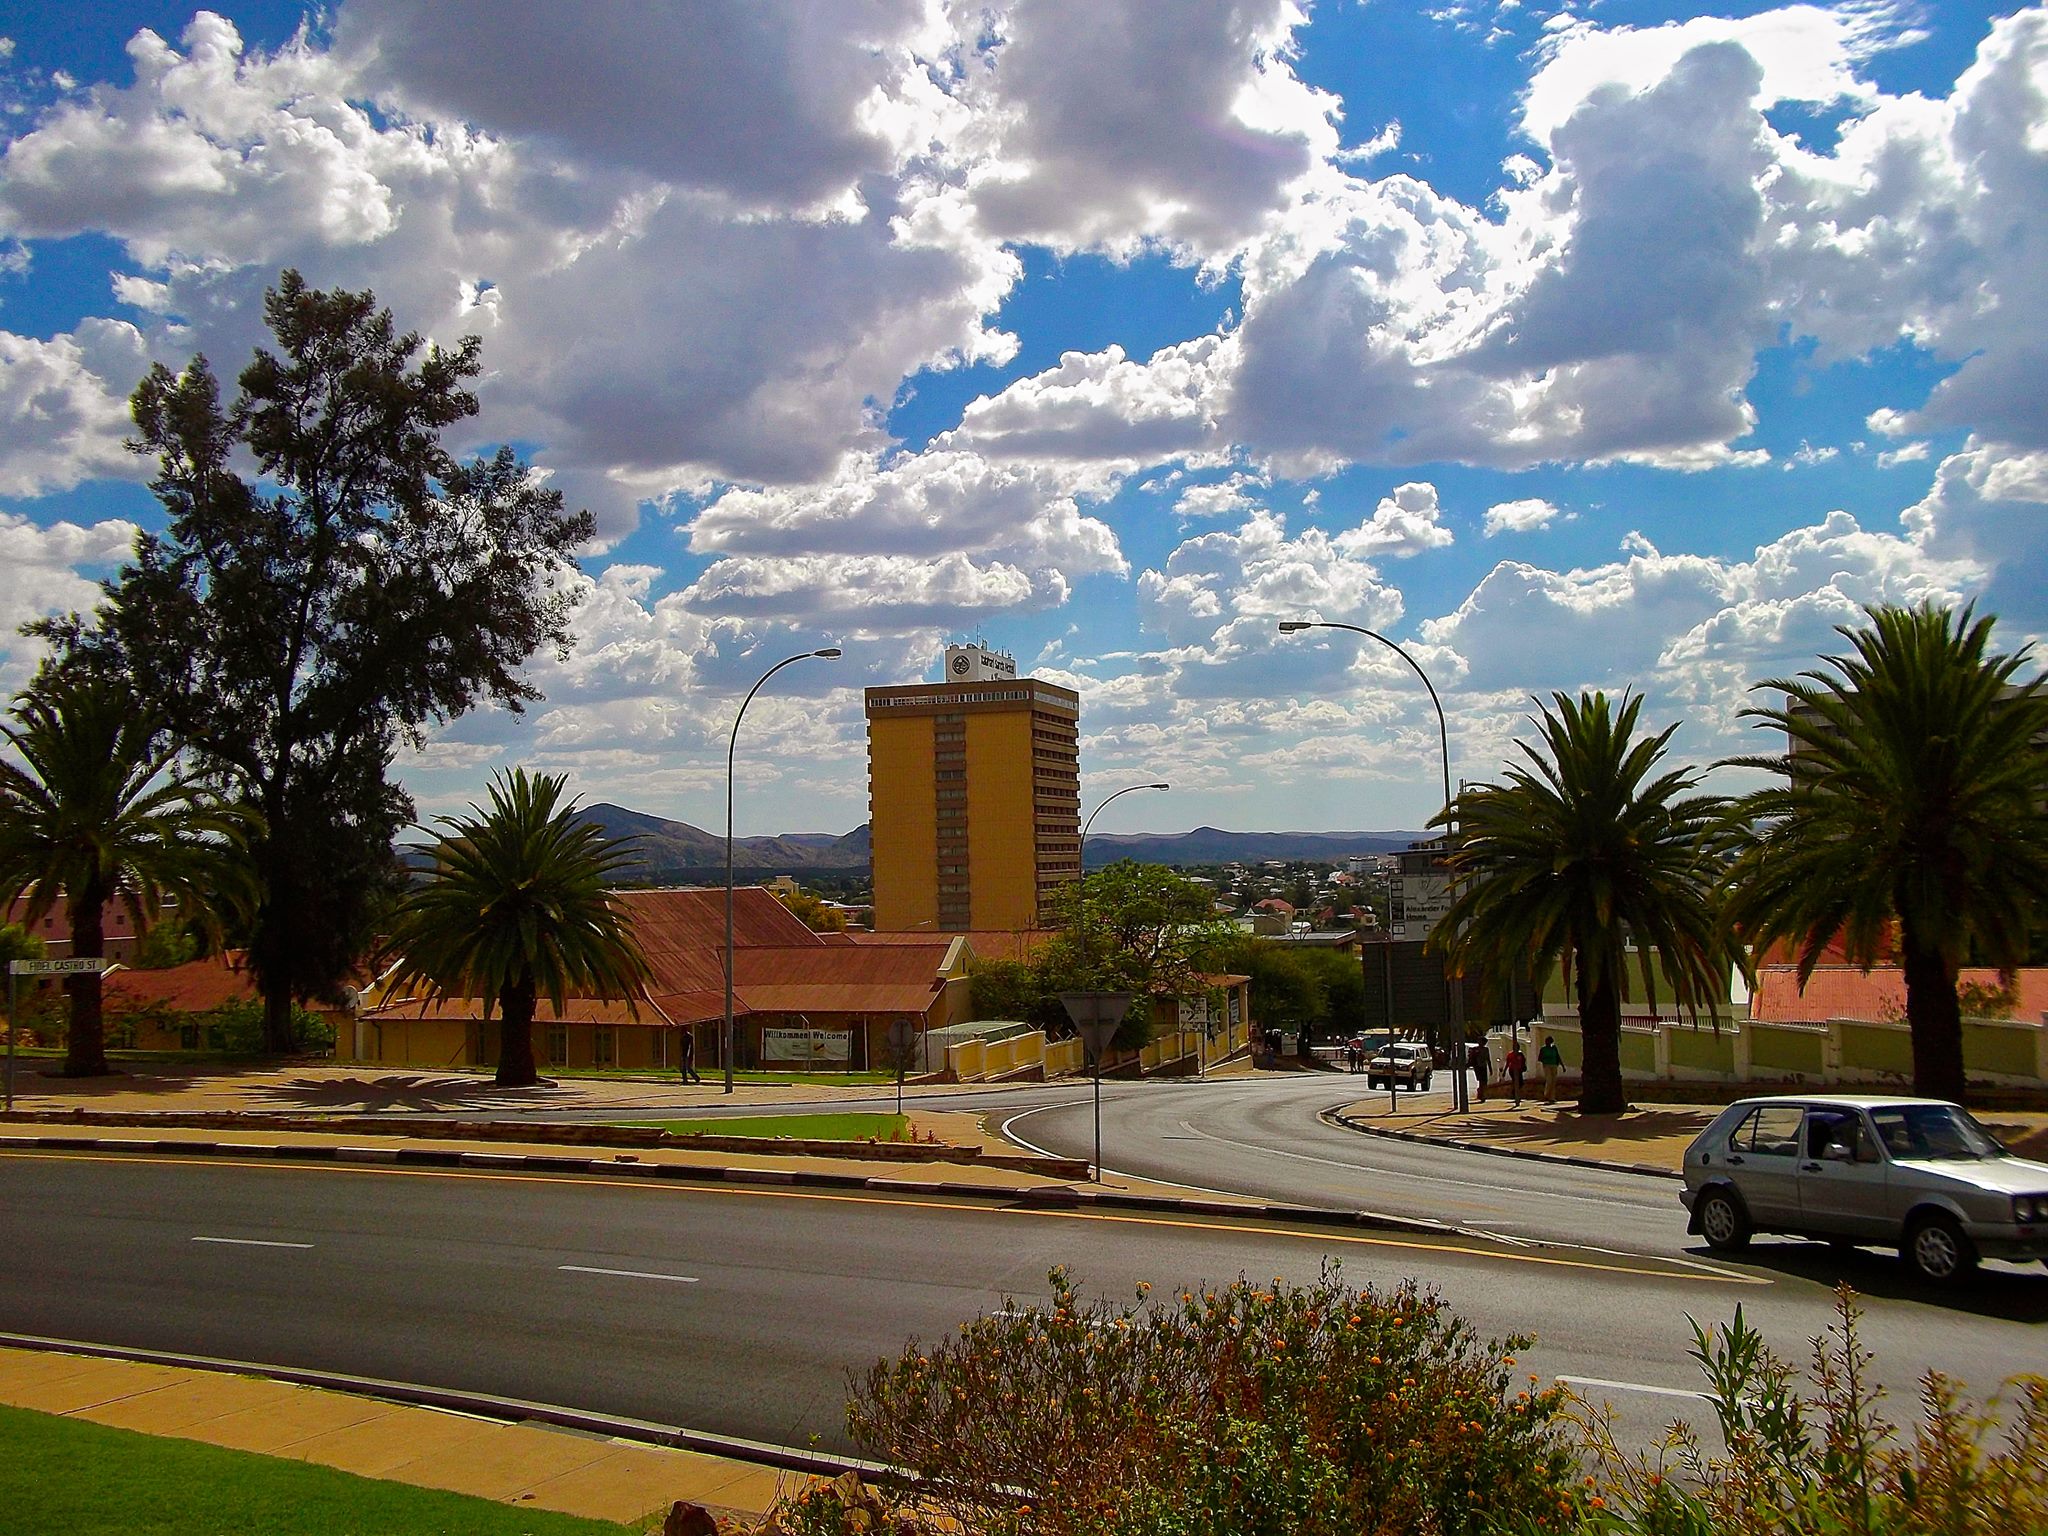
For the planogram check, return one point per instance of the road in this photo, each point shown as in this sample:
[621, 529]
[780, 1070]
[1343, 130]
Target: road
[1259, 1135]
[739, 1310]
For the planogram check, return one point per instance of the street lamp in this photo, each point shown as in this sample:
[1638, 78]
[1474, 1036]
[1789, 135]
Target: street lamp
[1096, 1015]
[1457, 999]
[830, 653]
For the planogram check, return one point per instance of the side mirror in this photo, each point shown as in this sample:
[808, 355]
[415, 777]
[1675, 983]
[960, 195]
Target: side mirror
[1835, 1152]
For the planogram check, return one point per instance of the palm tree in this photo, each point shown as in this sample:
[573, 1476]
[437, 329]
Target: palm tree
[1578, 855]
[1912, 802]
[94, 813]
[517, 907]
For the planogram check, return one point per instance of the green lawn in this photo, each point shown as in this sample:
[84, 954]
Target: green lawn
[712, 1074]
[847, 1127]
[65, 1477]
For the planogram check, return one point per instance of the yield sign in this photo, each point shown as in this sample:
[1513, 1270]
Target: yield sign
[1096, 1015]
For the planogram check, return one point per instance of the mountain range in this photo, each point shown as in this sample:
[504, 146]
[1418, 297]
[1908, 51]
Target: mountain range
[674, 850]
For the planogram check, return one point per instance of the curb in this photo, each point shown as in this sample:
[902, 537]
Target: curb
[1641, 1170]
[1045, 1197]
[511, 1410]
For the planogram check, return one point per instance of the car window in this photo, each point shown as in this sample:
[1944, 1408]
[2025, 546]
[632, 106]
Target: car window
[1839, 1131]
[1934, 1133]
[1771, 1131]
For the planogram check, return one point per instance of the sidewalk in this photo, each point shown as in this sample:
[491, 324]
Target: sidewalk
[1650, 1139]
[568, 1472]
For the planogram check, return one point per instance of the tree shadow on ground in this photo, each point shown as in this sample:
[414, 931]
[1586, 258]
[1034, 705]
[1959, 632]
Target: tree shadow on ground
[399, 1091]
[2014, 1293]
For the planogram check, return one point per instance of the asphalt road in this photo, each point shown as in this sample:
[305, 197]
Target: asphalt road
[740, 1311]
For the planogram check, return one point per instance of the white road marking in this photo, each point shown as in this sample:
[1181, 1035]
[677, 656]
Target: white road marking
[1633, 1386]
[628, 1274]
[250, 1242]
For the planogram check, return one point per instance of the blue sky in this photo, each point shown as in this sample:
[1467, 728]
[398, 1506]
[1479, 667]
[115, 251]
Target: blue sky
[1584, 345]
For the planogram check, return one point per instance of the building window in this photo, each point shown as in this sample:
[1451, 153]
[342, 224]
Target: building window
[557, 1045]
[603, 1047]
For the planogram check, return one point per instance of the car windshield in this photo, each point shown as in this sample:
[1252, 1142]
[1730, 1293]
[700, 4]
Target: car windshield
[1938, 1133]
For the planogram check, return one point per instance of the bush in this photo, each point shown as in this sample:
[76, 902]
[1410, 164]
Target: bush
[1829, 1464]
[1291, 1410]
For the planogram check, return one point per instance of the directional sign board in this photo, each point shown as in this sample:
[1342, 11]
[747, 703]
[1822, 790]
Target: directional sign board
[1096, 1015]
[80, 967]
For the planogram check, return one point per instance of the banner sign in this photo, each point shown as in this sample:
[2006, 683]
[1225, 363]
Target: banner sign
[807, 1047]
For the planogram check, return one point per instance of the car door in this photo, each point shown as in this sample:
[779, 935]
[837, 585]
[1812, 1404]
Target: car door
[1763, 1160]
[1843, 1180]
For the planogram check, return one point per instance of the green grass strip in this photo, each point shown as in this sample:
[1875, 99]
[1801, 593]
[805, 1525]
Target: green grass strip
[67, 1477]
[853, 1126]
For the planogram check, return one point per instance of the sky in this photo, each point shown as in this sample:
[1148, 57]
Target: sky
[1625, 346]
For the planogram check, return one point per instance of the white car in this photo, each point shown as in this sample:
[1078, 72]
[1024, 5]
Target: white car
[1920, 1175]
[1402, 1062]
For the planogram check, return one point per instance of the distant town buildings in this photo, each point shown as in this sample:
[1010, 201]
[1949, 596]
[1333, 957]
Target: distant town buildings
[974, 790]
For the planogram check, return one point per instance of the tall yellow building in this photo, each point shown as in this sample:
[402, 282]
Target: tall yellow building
[974, 796]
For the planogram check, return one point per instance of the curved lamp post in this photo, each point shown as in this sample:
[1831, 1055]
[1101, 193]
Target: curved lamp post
[1097, 1014]
[731, 747]
[1457, 997]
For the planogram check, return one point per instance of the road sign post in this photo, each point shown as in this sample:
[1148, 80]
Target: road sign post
[902, 1040]
[1096, 1015]
[90, 966]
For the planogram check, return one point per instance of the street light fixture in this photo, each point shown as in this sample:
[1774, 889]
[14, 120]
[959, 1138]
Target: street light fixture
[1096, 1015]
[829, 653]
[1457, 998]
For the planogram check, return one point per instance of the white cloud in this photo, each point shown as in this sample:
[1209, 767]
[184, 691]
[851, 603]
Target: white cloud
[1404, 523]
[39, 572]
[64, 407]
[1109, 126]
[924, 505]
[1524, 516]
[746, 319]
[1259, 573]
[774, 106]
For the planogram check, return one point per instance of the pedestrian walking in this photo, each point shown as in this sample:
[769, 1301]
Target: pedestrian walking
[1517, 1065]
[688, 1051]
[1482, 1065]
[1550, 1058]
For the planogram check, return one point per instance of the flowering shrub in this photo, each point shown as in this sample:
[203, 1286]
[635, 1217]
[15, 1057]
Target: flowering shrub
[1290, 1410]
[1825, 1465]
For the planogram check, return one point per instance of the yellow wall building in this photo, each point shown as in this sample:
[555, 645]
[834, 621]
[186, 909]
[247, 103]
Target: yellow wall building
[974, 801]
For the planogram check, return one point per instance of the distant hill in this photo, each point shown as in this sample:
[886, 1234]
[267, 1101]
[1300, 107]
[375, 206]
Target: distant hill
[1211, 845]
[675, 850]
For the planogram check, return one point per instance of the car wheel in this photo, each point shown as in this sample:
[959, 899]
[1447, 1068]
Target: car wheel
[1936, 1248]
[1722, 1221]
[1425, 1085]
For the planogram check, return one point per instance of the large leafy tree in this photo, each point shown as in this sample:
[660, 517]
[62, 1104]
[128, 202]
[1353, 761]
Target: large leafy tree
[1583, 850]
[299, 621]
[518, 908]
[1912, 807]
[1132, 927]
[94, 813]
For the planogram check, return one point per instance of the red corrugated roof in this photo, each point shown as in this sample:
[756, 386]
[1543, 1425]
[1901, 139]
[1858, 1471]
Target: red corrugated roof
[779, 965]
[1845, 992]
[195, 987]
[987, 943]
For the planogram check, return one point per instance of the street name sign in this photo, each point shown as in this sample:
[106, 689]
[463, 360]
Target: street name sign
[79, 967]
